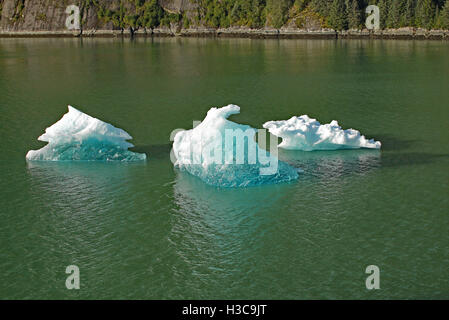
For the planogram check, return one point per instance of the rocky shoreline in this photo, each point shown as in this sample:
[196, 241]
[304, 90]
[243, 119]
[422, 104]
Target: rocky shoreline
[266, 33]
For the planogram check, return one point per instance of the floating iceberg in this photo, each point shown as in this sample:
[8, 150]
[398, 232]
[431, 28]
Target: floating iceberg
[304, 133]
[78, 136]
[224, 153]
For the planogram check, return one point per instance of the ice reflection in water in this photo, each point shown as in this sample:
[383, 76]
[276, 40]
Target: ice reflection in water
[332, 164]
[216, 231]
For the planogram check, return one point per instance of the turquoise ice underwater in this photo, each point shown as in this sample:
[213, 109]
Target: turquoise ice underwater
[78, 136]
[203, 151]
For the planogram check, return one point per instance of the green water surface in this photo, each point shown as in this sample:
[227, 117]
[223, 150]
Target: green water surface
[148, 231]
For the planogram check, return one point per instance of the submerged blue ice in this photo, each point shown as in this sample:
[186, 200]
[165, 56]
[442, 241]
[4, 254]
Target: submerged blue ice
[216, 151]
[78, 136]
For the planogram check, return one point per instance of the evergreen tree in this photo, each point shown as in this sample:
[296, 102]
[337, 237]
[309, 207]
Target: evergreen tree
[321, 6]
[337, 15]
[408, 15]
[424, 13]
[437, 19]
[151, 14]
[384, 9]
[444, 16]
[394, 15]
[244, 12]
[257, 14]
[278, 10]
[353, 14]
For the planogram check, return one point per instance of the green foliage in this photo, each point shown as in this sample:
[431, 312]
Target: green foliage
[20, 5]
[278, 10]
[41, 17]
[169, 18]
[443, 17]
[394, 14]
[338, 14]
[225, 13]
[321, 6]
[424, 13]
[353, 14]
[186, 22]
[309, 14]
[145, 14]
[408, 16]
[150, 14]
[384, 9]
[302, 4]
[216, 13]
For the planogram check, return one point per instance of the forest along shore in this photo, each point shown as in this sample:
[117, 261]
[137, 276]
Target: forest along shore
[323, 19]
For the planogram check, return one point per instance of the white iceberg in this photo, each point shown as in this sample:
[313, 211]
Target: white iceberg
[78, 136]
[307, 134]
[224, 153]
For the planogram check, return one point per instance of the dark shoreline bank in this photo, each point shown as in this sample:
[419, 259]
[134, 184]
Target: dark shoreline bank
[394, 34]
